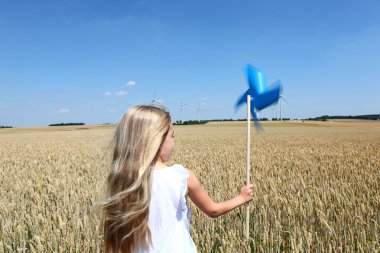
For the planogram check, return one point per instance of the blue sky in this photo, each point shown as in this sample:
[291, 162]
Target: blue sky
[89, 61]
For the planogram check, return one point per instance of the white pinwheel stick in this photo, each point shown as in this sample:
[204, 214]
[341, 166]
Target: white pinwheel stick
[248, 160]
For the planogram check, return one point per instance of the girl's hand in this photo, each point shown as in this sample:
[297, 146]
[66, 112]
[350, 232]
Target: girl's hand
[246, 193]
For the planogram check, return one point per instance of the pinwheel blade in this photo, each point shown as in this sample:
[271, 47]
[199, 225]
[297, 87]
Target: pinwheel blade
[256, 80]
[255, 119]
[261, 95]
[242, 100]
[267, 98]
[253, 113]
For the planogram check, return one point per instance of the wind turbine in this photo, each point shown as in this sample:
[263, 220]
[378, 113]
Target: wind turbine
[156, 101]
[281, 97]
[274, 112]
[182, 105]
[198, 111]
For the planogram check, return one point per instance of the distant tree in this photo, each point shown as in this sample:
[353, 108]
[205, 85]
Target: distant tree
[67, 124]
[191, 122]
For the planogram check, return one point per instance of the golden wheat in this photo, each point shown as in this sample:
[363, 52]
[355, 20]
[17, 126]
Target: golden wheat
[317, 187]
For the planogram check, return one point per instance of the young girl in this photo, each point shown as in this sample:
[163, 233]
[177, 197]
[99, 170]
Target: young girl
[145, 208]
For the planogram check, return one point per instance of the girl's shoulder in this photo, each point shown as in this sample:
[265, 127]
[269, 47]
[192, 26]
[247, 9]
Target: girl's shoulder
[175, 168]
[181, 169]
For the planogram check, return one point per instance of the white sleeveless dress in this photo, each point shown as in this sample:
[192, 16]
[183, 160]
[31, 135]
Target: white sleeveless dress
[169, 216]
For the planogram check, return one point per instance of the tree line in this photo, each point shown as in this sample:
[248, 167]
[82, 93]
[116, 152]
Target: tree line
[67, 124]
[366, 117]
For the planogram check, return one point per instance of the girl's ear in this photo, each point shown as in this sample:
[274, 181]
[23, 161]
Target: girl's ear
[158, 153]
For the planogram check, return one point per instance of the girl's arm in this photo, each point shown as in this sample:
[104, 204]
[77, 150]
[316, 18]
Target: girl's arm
[207, 205]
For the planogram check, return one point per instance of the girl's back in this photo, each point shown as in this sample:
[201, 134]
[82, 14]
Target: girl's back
[169, 215]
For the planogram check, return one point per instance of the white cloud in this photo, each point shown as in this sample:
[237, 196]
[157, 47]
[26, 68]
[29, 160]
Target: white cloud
[204, 99]
[120, 93]
[130, 83]
[112, 110]
[62, 110]
[107, 93]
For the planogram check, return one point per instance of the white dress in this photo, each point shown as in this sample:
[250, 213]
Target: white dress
[169, 216]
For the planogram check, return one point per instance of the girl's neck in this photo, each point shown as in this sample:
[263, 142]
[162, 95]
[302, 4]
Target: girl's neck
[159, 165]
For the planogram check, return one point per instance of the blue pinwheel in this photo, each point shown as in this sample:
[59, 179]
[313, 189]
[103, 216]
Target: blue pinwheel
[261, 95]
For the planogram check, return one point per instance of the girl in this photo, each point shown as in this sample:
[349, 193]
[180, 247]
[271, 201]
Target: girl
[145, 208]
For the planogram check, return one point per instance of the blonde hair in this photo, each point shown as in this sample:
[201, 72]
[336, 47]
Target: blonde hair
[136, 145]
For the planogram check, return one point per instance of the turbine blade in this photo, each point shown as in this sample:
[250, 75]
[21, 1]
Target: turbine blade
[284, 99]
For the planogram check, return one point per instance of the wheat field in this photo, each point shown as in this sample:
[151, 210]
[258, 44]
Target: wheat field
[316, 186]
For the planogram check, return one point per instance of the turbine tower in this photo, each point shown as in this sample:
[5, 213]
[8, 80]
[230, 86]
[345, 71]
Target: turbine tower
[182, 105]
[199, 112]
[281, 97]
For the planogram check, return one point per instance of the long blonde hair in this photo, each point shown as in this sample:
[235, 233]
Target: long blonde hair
[136, 145]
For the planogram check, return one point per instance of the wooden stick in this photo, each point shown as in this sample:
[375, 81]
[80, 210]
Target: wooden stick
[248, 160]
